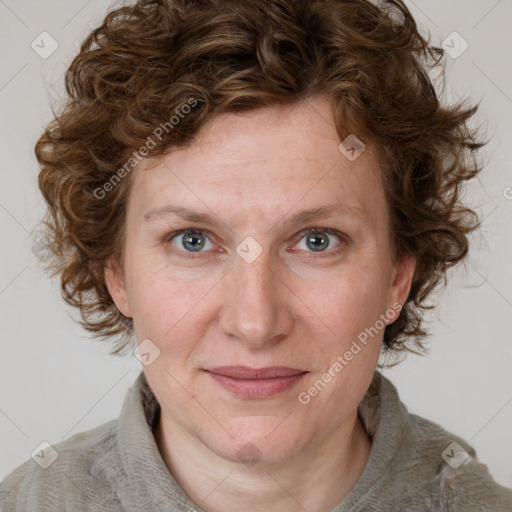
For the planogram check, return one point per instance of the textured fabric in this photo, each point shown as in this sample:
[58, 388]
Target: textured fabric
[117, 466]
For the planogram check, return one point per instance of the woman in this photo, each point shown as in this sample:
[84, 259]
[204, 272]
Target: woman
[262, 194]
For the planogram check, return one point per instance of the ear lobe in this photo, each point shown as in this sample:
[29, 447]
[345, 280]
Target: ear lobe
[403, 274]
[114, 279]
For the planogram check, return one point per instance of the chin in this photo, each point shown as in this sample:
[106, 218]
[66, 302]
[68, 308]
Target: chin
[258, 439]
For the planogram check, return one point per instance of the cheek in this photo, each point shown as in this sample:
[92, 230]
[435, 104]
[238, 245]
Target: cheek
[163, 303]
[348, 347]
[349, 302]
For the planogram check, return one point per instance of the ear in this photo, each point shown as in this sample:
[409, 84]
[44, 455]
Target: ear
[400, 285]
[114, 278]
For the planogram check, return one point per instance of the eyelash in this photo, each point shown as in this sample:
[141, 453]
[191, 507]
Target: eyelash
[190, 255]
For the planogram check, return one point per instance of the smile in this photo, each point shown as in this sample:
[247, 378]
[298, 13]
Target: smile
[256, 383]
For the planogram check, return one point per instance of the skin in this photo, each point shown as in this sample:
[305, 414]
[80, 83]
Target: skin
[292, 306]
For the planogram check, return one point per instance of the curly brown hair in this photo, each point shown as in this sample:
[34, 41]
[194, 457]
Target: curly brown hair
[138, 70]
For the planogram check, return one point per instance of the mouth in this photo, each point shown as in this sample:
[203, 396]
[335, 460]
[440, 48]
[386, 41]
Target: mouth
[256, 382]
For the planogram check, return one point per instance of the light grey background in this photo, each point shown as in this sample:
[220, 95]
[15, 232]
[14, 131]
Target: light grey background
[55, 382]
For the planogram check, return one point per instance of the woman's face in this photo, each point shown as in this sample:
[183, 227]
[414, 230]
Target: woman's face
[252, 286]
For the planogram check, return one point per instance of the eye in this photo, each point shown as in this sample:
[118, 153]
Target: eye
[190, 240]
[318, 240]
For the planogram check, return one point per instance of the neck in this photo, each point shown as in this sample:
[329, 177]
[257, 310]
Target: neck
[315, 479]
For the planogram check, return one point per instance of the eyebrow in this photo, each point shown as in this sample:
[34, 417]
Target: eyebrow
[303, 217]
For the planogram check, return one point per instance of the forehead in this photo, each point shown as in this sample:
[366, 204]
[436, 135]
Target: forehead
[270, 160]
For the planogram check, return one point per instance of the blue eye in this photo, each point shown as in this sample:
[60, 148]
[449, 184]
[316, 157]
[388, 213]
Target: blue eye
[317, 240]
[191, 241]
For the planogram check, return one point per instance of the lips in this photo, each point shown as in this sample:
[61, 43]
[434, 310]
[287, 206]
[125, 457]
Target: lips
[243, 372]
[256, 382]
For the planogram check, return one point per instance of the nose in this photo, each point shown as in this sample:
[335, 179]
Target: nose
[257, 307]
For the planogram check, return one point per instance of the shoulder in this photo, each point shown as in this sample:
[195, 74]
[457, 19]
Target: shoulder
[425, 464]
[457, 479]
[68, 475]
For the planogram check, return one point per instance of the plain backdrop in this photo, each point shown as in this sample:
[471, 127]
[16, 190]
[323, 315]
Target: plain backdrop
[55, 381]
